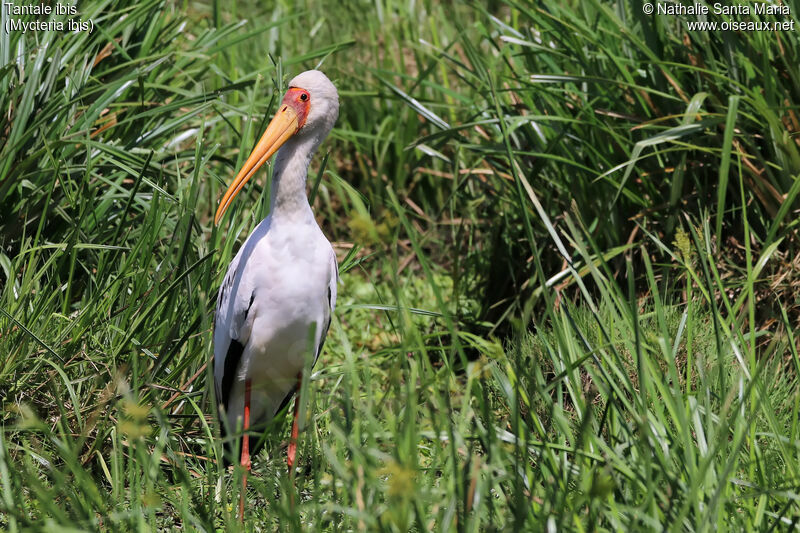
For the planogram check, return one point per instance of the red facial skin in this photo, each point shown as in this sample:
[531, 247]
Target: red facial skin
[300, 101]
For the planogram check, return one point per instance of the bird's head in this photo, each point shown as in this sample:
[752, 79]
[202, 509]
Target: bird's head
[309, 108]
[313, 93]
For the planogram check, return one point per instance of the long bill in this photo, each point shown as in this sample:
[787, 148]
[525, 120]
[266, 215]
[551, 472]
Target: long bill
[283, 125]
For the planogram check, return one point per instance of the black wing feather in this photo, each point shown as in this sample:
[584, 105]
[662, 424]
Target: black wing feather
[234, 355]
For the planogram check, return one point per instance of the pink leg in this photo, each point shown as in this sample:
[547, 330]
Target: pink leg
[245, 448]
[291, 453]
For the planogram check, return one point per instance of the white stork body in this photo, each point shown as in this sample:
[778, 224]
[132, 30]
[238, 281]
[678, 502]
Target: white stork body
[275, 302]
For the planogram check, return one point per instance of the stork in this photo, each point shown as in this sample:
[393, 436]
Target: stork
[275, 303]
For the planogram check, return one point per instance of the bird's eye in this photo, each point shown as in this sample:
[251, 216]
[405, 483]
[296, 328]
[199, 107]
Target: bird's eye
[304, 97]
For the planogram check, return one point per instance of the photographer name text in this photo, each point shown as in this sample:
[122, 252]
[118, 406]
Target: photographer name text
[758, 8]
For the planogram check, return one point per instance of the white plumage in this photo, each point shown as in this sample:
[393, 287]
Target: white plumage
[288, 269]
[276, 300]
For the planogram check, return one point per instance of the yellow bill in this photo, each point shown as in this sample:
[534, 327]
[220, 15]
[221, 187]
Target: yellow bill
[283, 125]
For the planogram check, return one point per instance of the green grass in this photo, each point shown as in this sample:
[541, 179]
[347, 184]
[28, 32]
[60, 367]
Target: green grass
[568, 242]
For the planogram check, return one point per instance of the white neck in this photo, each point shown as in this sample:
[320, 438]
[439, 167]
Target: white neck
[289, 200]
